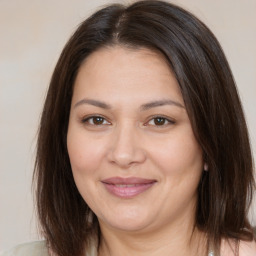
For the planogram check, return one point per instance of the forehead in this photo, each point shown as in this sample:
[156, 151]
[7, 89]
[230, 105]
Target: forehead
[124, 71]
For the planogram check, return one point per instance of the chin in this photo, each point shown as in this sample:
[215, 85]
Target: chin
[129, 226]
[127, 222]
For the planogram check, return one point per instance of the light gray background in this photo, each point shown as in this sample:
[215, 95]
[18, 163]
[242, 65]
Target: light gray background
[32, 35]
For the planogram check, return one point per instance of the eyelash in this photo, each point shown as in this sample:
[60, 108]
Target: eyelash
[87, 120]
[163, 120]
[167, 121]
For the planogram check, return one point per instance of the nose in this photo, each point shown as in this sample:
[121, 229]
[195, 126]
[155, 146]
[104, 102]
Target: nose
[126, 147]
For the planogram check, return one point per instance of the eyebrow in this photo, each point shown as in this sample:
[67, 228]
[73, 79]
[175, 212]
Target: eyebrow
[146, 106]
[159, 103]
[96, 103]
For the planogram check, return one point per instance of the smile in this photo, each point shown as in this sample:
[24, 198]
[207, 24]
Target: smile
[127, 187]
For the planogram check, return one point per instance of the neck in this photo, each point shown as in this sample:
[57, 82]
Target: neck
[176, 240]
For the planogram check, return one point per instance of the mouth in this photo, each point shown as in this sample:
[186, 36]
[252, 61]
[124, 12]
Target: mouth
[127, 187]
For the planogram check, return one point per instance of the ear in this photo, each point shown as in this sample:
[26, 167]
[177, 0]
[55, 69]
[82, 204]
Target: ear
[205, 167]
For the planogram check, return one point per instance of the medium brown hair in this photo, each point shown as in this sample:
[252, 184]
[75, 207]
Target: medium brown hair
[213, 105]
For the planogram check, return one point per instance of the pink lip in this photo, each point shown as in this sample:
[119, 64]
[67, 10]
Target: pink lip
[127, 187]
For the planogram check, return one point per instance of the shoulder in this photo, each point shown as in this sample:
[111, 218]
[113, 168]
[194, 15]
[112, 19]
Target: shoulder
[247, 248]
[37, 248]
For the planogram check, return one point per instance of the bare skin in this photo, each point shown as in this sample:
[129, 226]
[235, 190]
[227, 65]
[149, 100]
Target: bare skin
[128, 126]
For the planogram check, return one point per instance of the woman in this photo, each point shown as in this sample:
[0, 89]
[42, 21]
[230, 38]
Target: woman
[143, 148]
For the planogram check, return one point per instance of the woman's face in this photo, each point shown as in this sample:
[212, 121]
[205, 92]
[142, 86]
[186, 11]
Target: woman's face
[133, 154]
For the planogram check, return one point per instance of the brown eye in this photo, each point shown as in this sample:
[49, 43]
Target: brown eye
[95, 120]
[159, 121]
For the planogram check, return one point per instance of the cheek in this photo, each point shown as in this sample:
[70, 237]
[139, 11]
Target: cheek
[84, 153]
[178, 155]
[85, 157]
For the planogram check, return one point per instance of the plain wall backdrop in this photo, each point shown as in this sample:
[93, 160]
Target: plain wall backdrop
[32, 35]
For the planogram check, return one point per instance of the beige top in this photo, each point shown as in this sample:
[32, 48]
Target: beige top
[37, 248]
